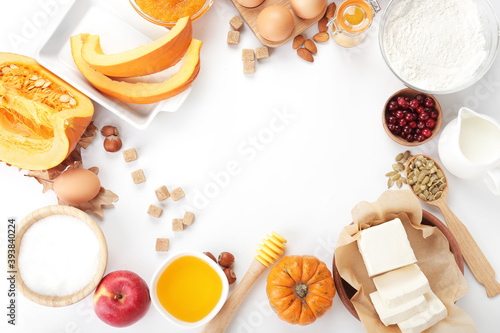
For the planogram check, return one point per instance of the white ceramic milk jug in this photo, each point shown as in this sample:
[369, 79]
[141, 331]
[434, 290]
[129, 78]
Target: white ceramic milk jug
[469, 148]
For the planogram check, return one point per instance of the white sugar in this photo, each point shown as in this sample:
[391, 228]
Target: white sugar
[59, 256]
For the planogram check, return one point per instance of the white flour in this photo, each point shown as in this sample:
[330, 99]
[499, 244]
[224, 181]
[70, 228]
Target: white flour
[435, 45]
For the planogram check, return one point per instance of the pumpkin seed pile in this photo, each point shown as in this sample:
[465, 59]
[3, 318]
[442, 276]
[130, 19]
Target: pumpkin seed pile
[37, 88]
[426, 180]
[395, 176]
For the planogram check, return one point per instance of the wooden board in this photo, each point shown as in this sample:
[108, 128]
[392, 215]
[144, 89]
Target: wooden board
[250, 17]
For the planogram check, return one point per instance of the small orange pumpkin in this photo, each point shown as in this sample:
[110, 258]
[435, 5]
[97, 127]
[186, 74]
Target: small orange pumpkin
[300, 289]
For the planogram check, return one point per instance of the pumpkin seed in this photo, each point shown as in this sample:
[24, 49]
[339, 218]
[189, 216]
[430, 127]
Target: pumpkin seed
[39, 82]
[391, 173]
[46, 84]
[420, 177]
[64, 98]
[427, 180]
[12, 66]
[72, 102]
[34, 78]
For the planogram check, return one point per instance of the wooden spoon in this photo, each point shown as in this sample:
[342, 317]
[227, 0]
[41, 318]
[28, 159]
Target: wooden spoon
[473, 256]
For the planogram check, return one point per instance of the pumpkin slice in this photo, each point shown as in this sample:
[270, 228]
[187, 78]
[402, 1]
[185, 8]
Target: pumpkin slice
[148, 59]
[41, 116]
[141, 92]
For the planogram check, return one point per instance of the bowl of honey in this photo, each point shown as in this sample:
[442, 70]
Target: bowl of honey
[189, 289]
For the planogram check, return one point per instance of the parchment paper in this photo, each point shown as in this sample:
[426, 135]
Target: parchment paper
[433, 257]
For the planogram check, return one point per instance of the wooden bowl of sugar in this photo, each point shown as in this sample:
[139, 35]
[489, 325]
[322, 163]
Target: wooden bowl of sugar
[61, 255]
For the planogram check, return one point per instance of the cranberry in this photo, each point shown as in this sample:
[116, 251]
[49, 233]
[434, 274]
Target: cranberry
[409, 138]
[430, 123]
[402, 102]
[421, 125]
[434, 114]
[392, 120]
[417, 132]
[429, 102]
[412, 124]
[423, 116]
[391, 127]
[397, 129]
[421, 137]
[420, 109]
[407, 99]
[414, 104]
[420, 98]
[426, 132]
[407, 130]
[409, 116]
[393, 105]
[400, 114]
[402, 122]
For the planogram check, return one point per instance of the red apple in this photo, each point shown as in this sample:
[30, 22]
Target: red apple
[121, 298]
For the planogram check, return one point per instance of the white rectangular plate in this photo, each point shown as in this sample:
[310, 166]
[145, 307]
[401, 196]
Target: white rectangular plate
[92, 16]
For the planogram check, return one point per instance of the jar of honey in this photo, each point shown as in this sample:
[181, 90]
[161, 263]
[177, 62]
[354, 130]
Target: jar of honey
[352, 20]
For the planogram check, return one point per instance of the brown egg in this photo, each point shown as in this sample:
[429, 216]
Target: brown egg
[77, 186]
[275, 23]
[250, 3]
[307, 9]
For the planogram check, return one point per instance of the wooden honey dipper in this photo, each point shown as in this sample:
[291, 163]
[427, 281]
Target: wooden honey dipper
[267, 253]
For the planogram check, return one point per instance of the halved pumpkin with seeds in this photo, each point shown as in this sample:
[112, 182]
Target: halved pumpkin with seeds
[41, 116]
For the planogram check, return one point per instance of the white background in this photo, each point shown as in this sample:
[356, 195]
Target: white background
[301, 183]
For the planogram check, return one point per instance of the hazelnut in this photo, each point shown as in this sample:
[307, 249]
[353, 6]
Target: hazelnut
[210, 255]
[109, 130]
[231, 277]
[112, 144]
[226, 259]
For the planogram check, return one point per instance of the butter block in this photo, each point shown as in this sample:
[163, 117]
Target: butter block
[385, 247]
[396, 314]
[398, 286]
[435, 312]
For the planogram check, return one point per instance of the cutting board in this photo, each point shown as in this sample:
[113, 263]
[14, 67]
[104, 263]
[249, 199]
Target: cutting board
[250, 17]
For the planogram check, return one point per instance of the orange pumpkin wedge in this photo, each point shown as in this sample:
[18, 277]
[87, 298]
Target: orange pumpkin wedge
[141, 92]
[148, 59]
[42, 118]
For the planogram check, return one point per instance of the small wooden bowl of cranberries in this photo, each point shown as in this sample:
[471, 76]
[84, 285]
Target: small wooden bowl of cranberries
[412, 118]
